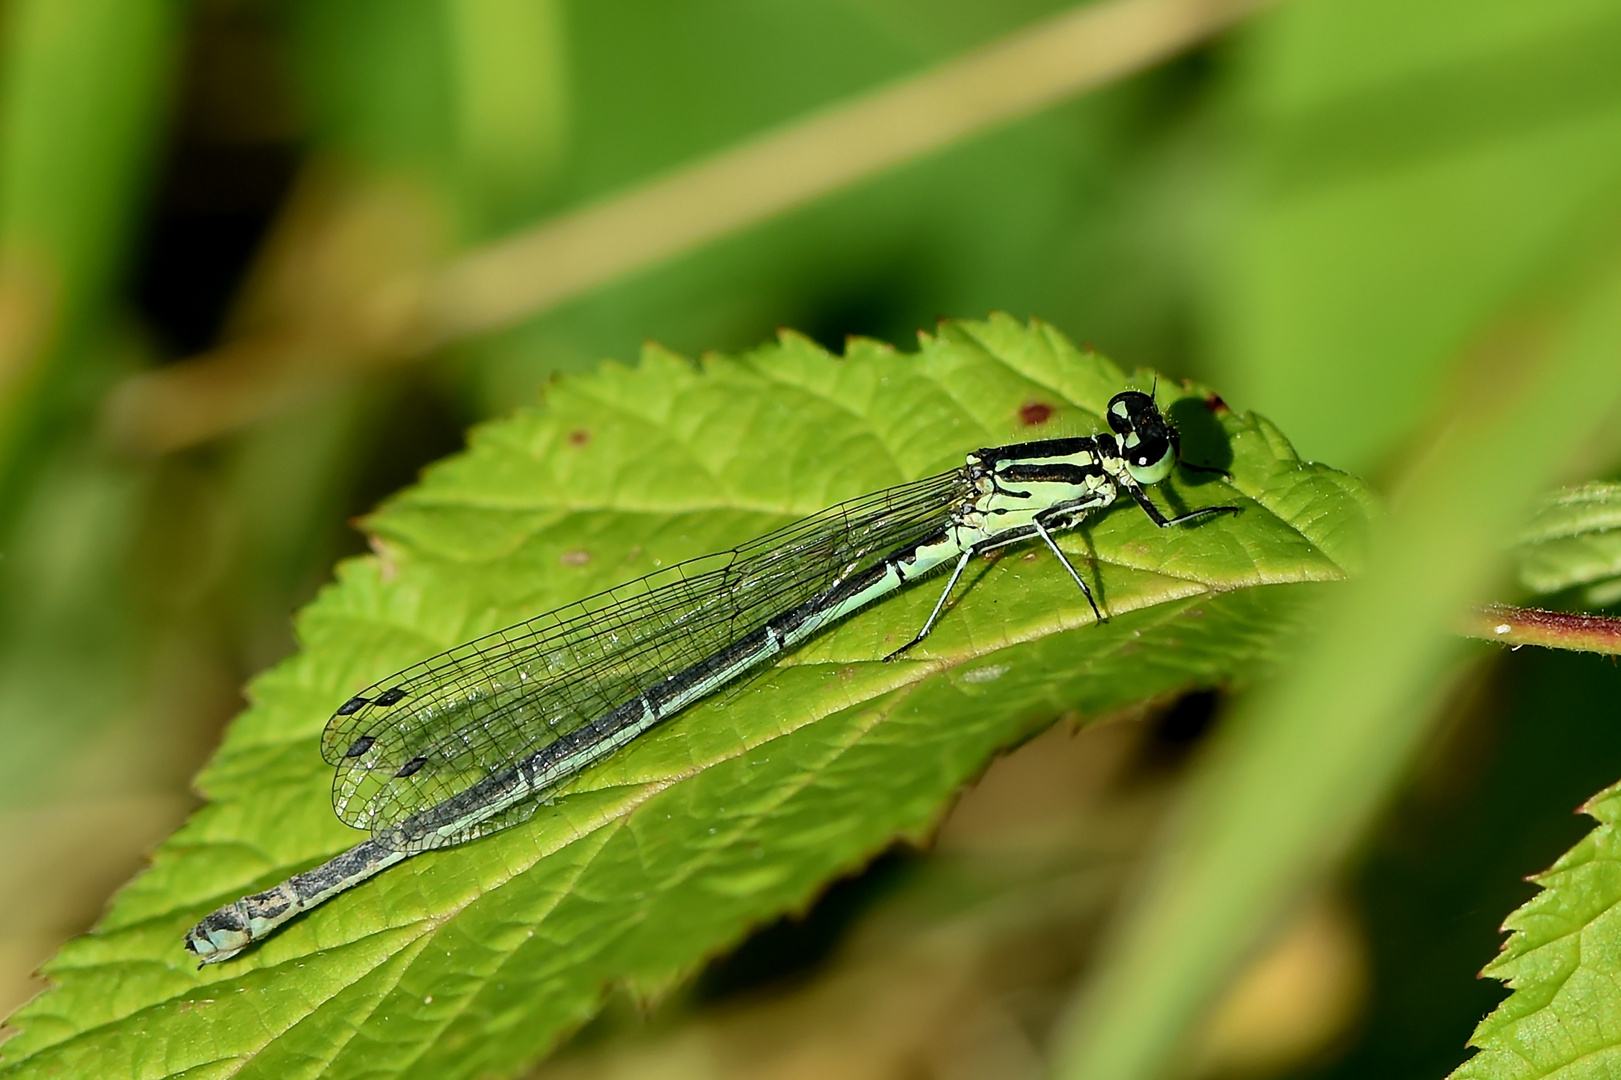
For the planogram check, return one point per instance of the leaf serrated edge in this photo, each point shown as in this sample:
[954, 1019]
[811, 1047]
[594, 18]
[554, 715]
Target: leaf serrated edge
[1526, 939]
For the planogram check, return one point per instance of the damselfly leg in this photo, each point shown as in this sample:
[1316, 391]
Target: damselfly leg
[1164, 522]
[1064, 517]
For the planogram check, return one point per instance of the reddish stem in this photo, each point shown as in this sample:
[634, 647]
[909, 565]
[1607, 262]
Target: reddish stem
[1551, 629]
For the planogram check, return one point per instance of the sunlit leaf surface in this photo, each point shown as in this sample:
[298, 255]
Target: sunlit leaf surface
[473, 961]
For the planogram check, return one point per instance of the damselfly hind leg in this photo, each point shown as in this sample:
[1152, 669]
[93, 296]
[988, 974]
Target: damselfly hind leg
[1067, 519]
[939, 605]
[1047, 536]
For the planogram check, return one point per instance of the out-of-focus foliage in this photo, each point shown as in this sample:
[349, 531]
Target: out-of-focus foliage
[1573, 541]
[1405, 170]
[1348, 215]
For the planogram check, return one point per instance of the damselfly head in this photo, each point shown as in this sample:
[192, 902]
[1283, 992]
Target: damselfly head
[1147, 440]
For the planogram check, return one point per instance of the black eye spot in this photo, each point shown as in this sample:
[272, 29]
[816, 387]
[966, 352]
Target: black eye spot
[359, 746]
[352, 706]
[411, 766]
[391, 697]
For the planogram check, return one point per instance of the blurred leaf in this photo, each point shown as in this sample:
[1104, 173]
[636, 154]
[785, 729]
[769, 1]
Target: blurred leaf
[1401, 165]
[474, 960]
[1575, 540]
[512, 91]
[377, 79]
[82, 86]
[469, 96]
[1562, 1017]
[1079, 213]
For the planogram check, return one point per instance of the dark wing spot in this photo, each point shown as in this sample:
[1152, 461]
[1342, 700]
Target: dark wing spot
[359, 746]
[352, 706]
[411, 766]
[390, 697]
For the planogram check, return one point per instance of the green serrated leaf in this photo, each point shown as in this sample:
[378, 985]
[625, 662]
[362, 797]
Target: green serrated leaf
[475, 960]
[1561, 958]
[1575, 540]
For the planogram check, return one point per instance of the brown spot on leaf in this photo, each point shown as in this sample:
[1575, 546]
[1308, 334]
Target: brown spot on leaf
[386, 566]
[1037, 412]
[579, 437]
[576, 557]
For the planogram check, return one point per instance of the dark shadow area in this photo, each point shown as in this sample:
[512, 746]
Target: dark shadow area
[1175, 732]
[214, 210]
[791, 947]
[1204, 444]
[882, 303]
[228, 166]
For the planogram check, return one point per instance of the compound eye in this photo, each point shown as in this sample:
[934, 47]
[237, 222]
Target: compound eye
[1125, 409]
[1119, 417]
[1144, 452]
[1150, 461]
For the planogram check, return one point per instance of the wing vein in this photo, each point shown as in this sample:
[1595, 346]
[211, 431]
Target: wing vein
[461, 723]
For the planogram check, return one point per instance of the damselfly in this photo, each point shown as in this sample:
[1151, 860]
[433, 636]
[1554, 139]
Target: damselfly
[473, 740]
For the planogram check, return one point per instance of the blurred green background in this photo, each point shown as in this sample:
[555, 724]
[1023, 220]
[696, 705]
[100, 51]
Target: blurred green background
[1318, 211]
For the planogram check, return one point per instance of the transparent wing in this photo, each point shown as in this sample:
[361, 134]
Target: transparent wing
[434, 730]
